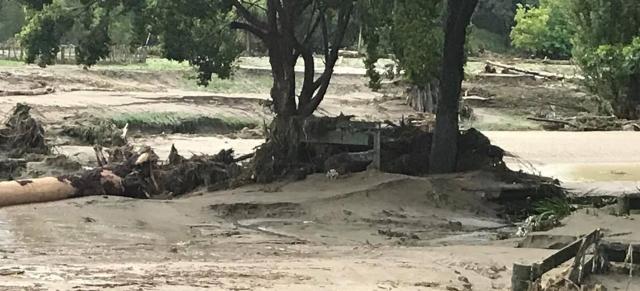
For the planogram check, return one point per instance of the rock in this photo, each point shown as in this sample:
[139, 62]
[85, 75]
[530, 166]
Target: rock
[427, 284]
[455, 225]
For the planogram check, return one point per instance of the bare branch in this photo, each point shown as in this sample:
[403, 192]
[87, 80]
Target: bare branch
[250, 28]
[246, 14]
[331, 56]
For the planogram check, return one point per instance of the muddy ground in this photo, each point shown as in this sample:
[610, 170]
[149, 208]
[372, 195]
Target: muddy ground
[367, 231]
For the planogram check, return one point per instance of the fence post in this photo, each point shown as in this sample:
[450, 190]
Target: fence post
[62, 51]
[521, 277]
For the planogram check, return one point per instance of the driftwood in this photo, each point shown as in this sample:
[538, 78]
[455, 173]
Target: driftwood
[553, 121]
[477, 98]
[44, 91]
[545, 75]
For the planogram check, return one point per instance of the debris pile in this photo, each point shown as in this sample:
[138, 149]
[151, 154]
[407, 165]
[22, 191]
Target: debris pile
[347, 146]
[22, 134]
[588, 123]
[132, 174]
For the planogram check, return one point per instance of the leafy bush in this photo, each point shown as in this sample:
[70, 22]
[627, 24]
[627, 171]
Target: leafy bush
[544, 31]
[607, 48]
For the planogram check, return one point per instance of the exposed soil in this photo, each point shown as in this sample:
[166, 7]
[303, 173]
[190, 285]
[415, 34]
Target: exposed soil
[366, 231]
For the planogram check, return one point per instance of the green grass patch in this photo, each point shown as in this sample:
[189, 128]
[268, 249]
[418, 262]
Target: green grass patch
[179, 122]
[152, 64]
[241, 81]
[107, 131]
[10, 63]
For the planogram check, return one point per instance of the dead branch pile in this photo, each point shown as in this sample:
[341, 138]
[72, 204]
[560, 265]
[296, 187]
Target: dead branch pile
[512, 69]
[143, 176]
[22, 133]
[405, 149]
[589, 123]
[130, 174]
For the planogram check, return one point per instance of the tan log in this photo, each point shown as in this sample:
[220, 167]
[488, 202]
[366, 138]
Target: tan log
[35, 191]
[53, 189]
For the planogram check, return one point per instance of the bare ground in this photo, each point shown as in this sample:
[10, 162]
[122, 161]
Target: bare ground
[369, 231]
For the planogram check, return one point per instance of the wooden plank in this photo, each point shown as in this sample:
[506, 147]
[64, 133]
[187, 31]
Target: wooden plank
[577, 273]
[562, 255]
[340, 137]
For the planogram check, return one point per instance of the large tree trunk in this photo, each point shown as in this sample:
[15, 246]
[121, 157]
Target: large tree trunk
[628, 106]
[281, 152]
[424, 98]
[445, 141]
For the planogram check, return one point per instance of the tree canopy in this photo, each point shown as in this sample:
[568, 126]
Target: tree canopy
[545, 30]
[11, 19]
[411, 31]
[607, 47]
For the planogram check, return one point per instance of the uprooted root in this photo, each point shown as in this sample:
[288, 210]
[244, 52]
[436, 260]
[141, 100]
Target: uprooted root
[22, 134]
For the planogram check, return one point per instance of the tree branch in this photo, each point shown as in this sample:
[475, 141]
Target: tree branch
[260, 33]
[331, 57]
[246, 14]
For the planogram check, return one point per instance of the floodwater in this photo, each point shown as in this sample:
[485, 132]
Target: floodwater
[594, 172]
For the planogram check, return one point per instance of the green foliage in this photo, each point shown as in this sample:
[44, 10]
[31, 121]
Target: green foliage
[417, 39]
[197, 32]
[544, 31]
[11, 19]
[607, 48]
[411, 30]
[192, 31]
[484, 40]
[375, 21]
[558, 207]
[40, 37]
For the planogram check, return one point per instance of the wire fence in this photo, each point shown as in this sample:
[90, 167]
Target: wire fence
[119, 54]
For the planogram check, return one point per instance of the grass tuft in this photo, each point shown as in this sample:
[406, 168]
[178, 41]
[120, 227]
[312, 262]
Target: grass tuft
[177, 122]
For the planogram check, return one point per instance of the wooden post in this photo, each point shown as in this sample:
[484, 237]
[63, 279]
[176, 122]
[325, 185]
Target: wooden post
[377, 147]
[623, 206]
[62, 51]
[521, 277]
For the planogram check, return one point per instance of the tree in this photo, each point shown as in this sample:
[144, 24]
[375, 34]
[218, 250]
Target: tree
[198, 31]
[412, 32]
[417, 39]
[607, 48]
[545, 30]
[445, 140]
[11, 19]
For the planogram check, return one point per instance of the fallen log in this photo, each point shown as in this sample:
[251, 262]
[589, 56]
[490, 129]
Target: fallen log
[553, 121]
[545, 75]
[97, 182]
[477, 98]
[45, 91]
[139, 176]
